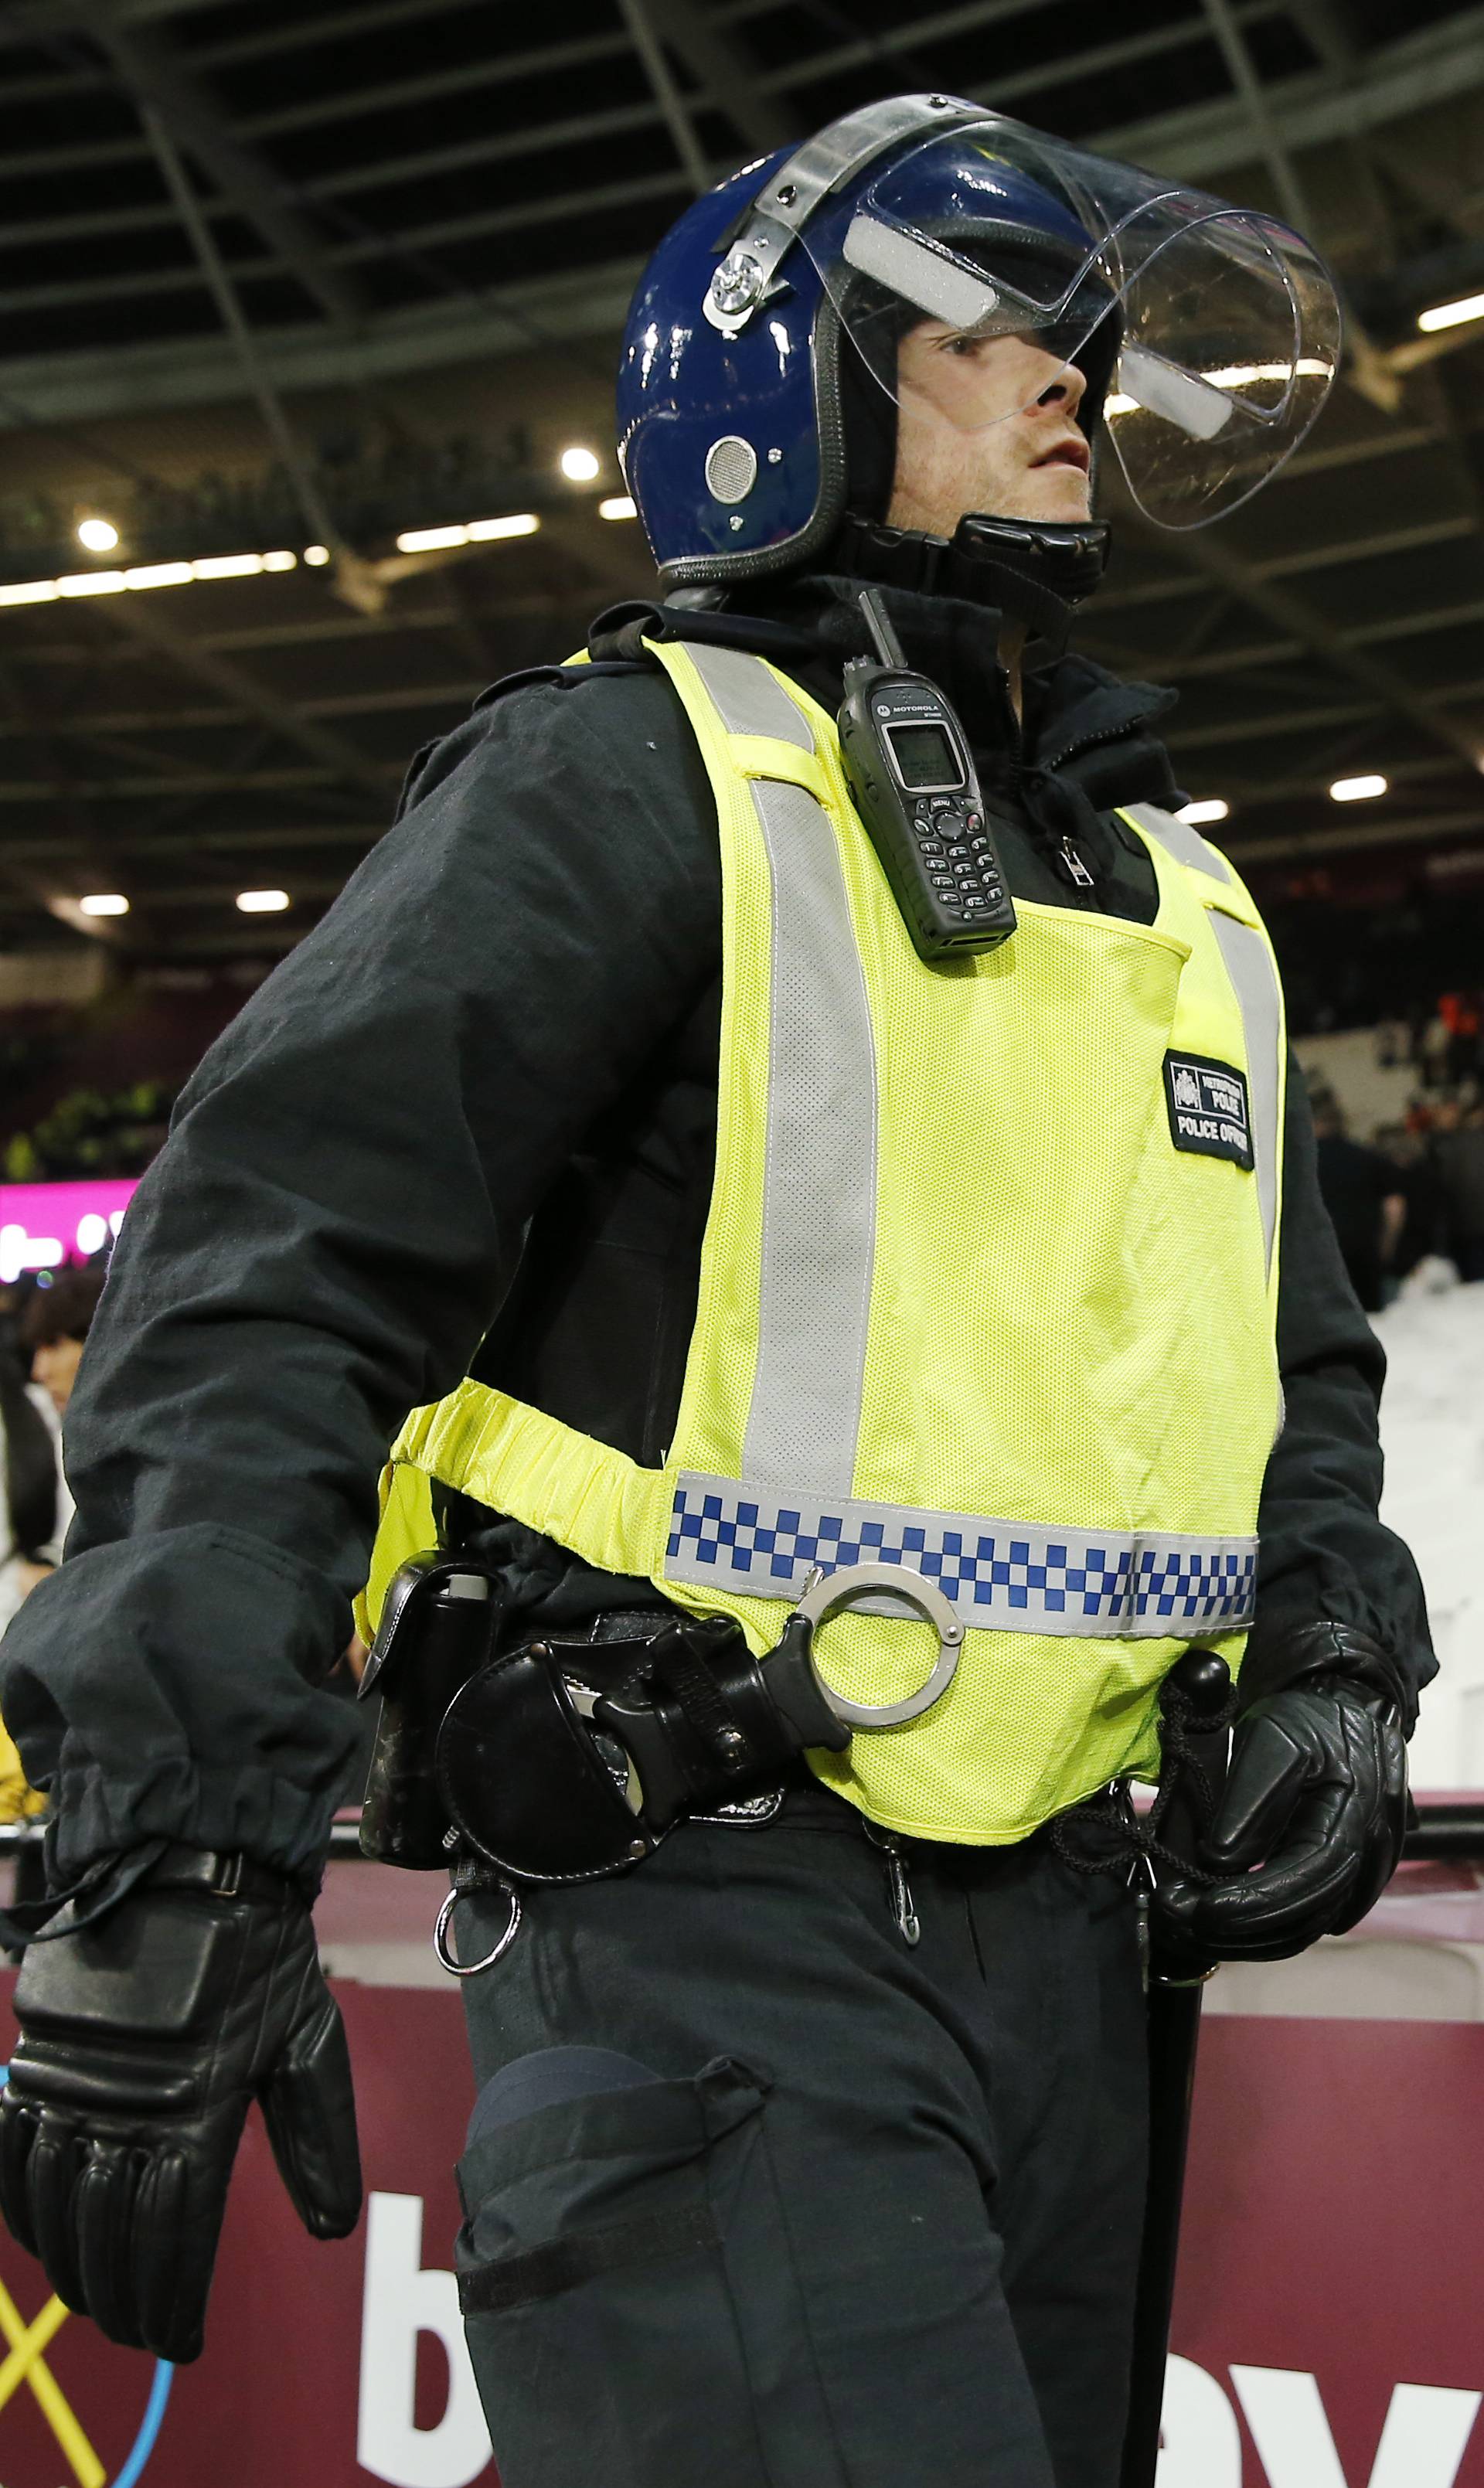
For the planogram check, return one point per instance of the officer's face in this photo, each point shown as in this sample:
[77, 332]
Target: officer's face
[988, 424]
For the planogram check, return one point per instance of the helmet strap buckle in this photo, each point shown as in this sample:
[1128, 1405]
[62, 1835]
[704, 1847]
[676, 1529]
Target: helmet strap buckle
[1032, 571]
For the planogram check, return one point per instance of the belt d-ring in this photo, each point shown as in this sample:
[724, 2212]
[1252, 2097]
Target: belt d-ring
[440, 1944]
[854, 1581]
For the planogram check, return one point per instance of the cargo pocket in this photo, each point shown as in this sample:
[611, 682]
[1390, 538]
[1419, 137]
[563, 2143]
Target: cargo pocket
[630, 2302]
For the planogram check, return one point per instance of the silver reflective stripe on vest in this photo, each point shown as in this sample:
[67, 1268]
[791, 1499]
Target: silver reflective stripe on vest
[1249, 966]
[1003, 1575]
[747, 699]
[1179, 839]
[820, 1180]
[820, 1172]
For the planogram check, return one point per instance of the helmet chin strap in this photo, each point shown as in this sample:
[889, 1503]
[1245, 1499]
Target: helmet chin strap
[1034, 571]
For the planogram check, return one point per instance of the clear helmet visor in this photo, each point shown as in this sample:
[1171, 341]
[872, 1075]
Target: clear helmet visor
[985, 266]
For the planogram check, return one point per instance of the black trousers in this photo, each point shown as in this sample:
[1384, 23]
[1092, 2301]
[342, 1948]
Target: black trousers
[760, 2196]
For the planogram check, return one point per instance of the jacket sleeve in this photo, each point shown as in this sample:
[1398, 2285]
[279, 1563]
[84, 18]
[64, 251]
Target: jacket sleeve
[320, 1247]
[1325, 1554]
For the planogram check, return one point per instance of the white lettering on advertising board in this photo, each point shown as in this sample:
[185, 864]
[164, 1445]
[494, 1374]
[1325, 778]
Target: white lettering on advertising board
[1422, 2444]
[402, 2298]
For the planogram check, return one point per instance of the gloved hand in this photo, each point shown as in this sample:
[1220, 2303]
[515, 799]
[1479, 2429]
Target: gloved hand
[1311, 1827]
[144, 2038]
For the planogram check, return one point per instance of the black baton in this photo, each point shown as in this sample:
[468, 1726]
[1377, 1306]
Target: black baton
[1174, 2027]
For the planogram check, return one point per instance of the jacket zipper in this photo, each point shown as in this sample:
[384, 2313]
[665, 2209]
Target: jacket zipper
[1068, 855]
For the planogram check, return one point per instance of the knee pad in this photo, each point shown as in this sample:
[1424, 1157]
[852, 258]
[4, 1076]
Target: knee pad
[548, 2078]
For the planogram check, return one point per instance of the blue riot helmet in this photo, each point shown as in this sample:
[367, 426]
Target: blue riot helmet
[1208, 335]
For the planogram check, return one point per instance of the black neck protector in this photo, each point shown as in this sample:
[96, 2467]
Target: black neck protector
[1034, 571]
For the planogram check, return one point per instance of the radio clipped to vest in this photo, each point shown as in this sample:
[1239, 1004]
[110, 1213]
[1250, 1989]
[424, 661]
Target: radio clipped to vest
[906, 759]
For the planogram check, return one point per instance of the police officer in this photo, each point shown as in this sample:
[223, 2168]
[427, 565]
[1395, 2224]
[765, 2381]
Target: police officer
[784, 1240]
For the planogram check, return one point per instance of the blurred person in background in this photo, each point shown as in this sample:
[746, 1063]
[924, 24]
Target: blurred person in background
[1433, 1050]
[15, 1296]
[1459, 1013]
[37, 1368]
[1458, 1156]
[30, 1524]
[30, 1539]
[53, 1328]
[1366, 1201]
[1404, 1148]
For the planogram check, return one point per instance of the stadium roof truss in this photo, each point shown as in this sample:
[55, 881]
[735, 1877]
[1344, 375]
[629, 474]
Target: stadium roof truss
[231, 225]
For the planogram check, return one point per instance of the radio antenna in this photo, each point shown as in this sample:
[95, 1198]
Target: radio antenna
[883, 639]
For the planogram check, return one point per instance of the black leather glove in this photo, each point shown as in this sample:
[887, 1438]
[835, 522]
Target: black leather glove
[1311, 1827]
[144, 2038]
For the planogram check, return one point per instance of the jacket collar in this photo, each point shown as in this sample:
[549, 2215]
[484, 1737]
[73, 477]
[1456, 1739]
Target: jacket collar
[1079, 718]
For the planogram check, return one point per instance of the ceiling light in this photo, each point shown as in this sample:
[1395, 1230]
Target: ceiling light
[262, 902]
[316, 555]
[525, 523]
[430, 540]
[92, 1231]
[1212, 808]
[105, 902]
[620, 506]
[99, 535]
[1356, 790]
[580, 465]
[167, 574]
[159, 573]
[1451, 315]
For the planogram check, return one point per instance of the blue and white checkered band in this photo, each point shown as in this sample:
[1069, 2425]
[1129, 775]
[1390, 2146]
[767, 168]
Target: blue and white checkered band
[1001, 1575]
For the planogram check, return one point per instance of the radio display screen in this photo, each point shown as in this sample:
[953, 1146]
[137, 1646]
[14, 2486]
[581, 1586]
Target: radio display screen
[925, 759]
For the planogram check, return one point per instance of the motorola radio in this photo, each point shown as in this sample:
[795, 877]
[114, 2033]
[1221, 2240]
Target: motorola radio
[907, 763]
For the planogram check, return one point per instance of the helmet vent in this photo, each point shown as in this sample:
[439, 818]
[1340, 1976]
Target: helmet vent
[731, 468]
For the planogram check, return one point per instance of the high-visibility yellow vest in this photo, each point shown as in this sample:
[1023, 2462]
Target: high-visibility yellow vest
[987, 1289]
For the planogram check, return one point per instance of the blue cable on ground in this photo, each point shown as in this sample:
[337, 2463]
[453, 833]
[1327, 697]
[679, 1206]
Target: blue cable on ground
[153, 2410]
[150, 2426]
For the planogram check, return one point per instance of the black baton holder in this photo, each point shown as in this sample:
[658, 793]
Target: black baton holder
[440, 1622]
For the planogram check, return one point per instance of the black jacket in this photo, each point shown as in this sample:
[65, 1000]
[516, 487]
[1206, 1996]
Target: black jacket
[477, 1104]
